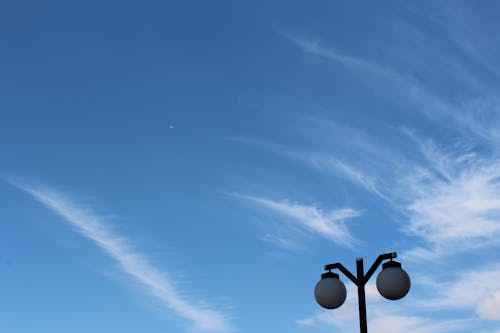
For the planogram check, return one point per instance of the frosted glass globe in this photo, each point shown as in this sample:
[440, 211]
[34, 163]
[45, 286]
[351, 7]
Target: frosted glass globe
[393, 282]
[330, 292]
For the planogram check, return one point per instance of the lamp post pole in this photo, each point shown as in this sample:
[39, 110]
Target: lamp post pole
[363, 328]
[393, 285]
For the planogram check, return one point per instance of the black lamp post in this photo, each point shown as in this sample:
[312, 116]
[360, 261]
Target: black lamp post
[392, 283]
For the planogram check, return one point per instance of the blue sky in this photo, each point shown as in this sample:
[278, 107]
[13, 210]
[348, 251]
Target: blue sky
[191, 166]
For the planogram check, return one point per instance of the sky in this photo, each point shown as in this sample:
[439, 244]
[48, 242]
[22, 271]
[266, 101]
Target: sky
[191, 166]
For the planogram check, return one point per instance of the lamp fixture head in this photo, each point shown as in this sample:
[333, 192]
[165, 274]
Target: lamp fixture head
[393, 282]
[330, 292]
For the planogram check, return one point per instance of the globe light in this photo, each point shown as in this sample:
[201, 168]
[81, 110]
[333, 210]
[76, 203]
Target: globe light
[393, 282]
[330, 292]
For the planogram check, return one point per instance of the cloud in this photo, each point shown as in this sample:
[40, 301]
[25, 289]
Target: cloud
[452, 200]
[347, 171]
[489, 307]
[448, 196]
[284, 241]
[478, 289]
[92, 226]
[314, 46]
[414, 324]
[366, 68]
[345, 320]
[327, 162]
[445, 189]
[329, 225]
[456, 23]
[476, 115]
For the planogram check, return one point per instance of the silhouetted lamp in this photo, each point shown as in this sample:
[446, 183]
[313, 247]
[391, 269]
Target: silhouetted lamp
[392, 283]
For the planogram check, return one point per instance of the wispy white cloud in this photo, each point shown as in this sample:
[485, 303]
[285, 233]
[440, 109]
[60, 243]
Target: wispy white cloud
[347, 171]
[477, 115]
[489, 307]
[284, 240]
[310, 219]
[453, 200]
[457, 23]
[415, 324]
[478, 289]
[136, 265]
[372, 71]
[329, 163]
[314, 46]
[446, 190]
[382, 319]
[448, 196]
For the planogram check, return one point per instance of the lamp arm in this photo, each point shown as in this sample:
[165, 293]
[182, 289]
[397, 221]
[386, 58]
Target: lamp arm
[343, 270]
[377, 263]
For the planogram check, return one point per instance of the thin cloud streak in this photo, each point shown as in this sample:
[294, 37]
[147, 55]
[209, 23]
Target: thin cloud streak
[330, 225]
[323, 162]
[315, 47]
[343, 169]
[457, 28]
[464, 112]
[131, 262]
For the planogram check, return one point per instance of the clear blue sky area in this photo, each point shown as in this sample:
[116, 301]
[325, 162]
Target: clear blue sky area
[190, 166]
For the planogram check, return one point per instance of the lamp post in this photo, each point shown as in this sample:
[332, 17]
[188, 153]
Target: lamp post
[392, 283]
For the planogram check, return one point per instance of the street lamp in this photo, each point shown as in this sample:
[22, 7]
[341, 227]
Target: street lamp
[392, 283]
